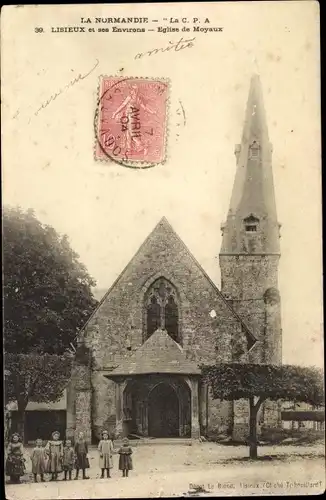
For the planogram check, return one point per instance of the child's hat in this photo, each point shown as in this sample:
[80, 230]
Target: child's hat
[55, 433]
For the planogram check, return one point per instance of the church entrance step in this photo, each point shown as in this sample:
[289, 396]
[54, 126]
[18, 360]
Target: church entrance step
[147, 441]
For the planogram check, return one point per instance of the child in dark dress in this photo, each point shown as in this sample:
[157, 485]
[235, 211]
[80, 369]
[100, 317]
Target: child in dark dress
[15, 463]
[68, 459]
[81, 451]
[125, 460]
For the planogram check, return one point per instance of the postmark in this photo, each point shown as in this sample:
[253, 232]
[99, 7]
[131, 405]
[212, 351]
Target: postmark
[131, 121]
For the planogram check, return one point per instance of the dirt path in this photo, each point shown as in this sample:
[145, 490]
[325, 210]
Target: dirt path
[170, 470]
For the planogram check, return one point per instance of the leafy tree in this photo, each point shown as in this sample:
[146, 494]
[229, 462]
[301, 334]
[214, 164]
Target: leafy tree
[47, 291]
[257, 383]
[35, 377]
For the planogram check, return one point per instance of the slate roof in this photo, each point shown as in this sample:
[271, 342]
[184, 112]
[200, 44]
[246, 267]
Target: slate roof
[253, 188]
[159, 354]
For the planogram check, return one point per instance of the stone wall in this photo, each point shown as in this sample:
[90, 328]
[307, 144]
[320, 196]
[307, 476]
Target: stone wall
[79, 394]
[103, 405]
[120, 317]
[250, 282]
[245, 281]
[71, 407]
[220, 417]
[83, 414]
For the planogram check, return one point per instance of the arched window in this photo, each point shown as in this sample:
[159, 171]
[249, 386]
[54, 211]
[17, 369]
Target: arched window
[171, 318]
[161, 309]
[153, 316]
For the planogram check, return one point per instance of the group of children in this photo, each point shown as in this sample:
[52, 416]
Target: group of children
[58, 456]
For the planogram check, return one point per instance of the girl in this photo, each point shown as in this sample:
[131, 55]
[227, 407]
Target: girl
[105, 448]
[15, 463]
[38, 458]
[125, 460]
[81, 450]
[68, 459]
[54, 450]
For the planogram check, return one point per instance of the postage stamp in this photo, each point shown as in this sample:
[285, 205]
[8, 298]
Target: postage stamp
[131, 123]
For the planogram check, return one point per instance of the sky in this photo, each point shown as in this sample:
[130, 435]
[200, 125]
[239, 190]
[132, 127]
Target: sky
[108, 210]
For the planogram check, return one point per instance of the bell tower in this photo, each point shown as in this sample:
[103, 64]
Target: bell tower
[250, 251]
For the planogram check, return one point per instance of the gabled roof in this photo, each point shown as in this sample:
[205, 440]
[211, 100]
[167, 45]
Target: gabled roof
[159, 354]
[251, 339]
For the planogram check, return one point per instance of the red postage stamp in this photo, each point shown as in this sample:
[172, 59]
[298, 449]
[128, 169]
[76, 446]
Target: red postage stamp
[131, 120]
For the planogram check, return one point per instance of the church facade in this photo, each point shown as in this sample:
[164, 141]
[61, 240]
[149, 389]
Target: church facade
[163, 317]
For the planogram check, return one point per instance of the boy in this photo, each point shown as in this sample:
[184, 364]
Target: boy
[68, 459]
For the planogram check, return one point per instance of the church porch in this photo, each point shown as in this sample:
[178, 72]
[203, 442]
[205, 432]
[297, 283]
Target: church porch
[157, 406]
[157, 390]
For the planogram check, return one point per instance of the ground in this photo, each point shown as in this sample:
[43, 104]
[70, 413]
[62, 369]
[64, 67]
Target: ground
[173, 470]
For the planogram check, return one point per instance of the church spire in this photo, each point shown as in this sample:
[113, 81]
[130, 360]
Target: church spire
[251, 226]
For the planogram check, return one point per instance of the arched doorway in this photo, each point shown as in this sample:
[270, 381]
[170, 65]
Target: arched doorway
[163, 411]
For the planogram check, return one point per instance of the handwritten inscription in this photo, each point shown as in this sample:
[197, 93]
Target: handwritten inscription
[180, 45]
[73, 82]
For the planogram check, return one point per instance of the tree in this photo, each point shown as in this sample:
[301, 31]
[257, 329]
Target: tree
[257, 383]
[35, 377]
[47, 291]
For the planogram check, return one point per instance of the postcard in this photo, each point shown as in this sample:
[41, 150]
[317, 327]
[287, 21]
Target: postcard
[162, 243]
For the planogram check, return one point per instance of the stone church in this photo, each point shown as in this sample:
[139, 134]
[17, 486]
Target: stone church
[164, 317]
